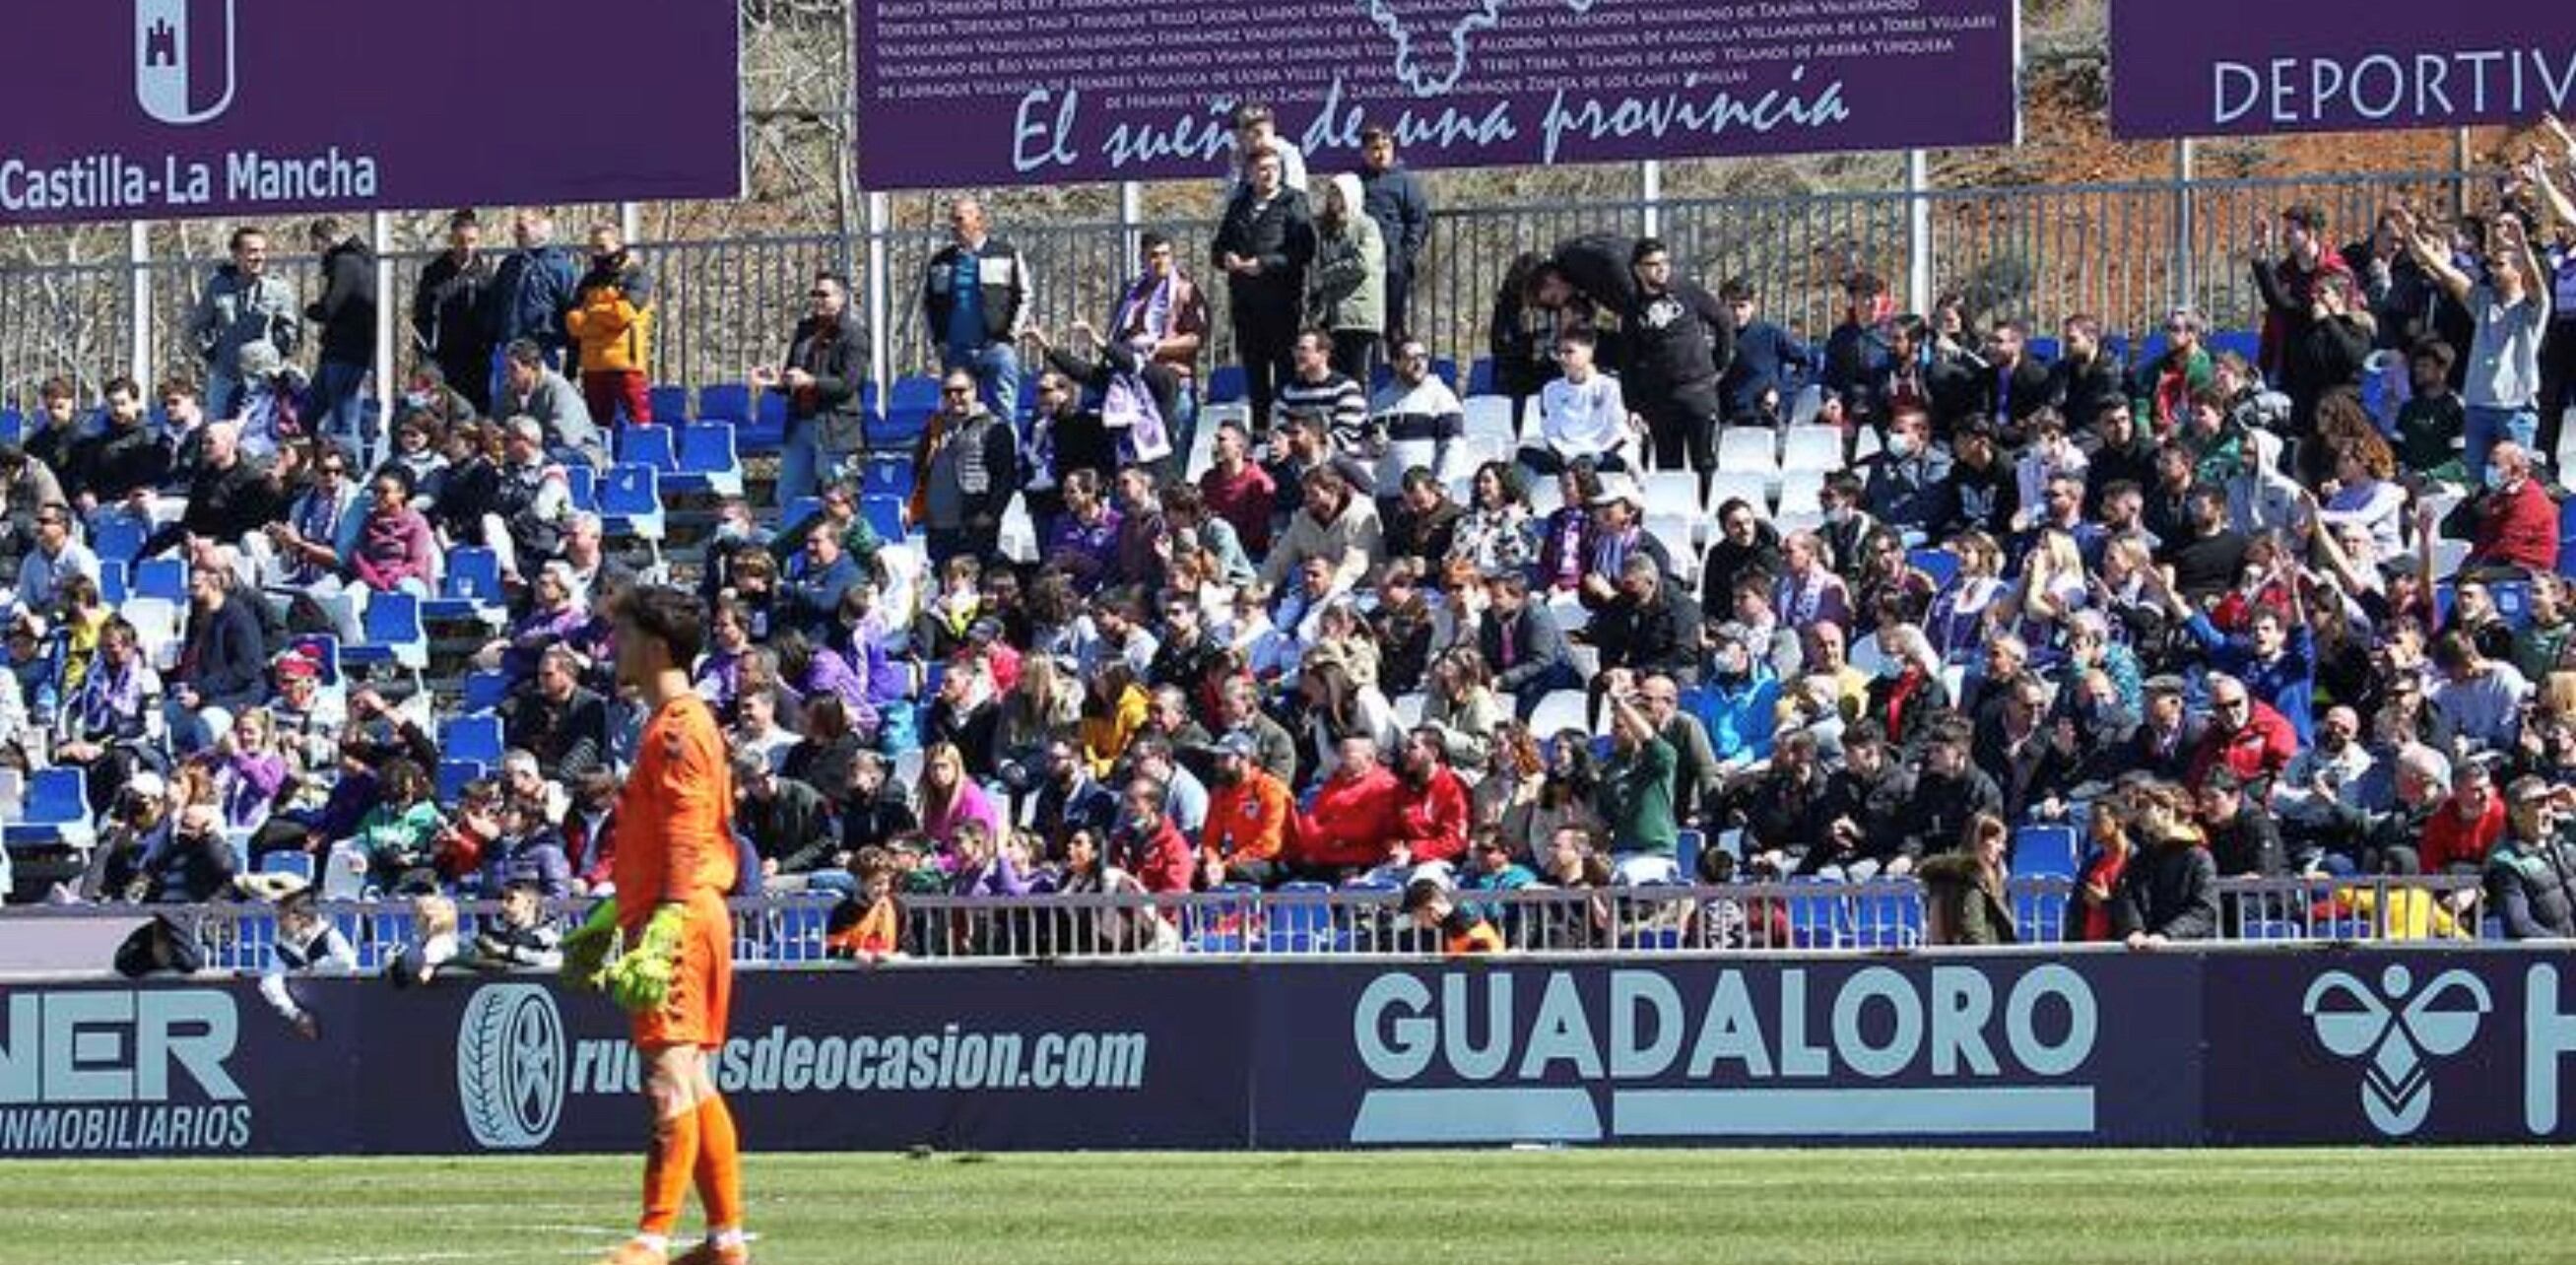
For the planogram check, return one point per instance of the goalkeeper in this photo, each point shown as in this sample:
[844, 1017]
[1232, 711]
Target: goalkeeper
[663, 948]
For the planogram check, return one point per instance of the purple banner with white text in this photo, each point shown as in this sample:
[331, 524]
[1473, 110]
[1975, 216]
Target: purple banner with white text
[2226, 68]
[2326, 1047]
[977, 92]
[149, 109]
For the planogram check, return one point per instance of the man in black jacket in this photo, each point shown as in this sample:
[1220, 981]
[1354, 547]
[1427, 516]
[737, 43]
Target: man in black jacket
[788, 823]
[975, 302]
[1947, 792]
[223, 667]
[2244, 840]
[123, 458]
[2169, 891]
[2014, 385]
[1679, 341]
[562, 724]
[346, 314]
[1652, 626]
[827, 359]
[1263, 246]
[1400, 203]
[447, 311]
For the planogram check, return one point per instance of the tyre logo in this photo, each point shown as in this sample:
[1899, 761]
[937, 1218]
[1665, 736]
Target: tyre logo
[510, 1066]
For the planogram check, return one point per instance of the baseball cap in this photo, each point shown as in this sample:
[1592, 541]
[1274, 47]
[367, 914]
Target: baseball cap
[1239, 743]
[147, 785]
[2164, 684]
[2222, 780]
[1615, 490]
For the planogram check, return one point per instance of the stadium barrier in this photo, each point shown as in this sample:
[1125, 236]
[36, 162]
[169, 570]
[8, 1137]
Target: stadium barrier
[1310, 919]
[2327, 1046]
[2124, 252]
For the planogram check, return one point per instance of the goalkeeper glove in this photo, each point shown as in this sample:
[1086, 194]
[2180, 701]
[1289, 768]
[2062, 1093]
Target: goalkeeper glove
[639, 981]
[590, 947]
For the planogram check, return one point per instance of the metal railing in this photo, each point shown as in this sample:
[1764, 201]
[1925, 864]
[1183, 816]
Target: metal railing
[1883, 916]
[2123, 252]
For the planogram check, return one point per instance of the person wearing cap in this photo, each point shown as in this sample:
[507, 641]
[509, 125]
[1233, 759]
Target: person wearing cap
[137, 833]
[1615, 533]
[1250, 817]
[1464, 932]
[2167, 736]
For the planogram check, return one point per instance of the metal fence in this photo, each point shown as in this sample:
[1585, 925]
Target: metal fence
[1885, 916]
[2123, 252]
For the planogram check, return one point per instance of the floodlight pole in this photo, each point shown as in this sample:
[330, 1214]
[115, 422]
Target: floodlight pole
[1131, 219]
[2186, 284]
[880, 343]
[138, 300]
[380, 234]
[1650, 181]
[1918, 230]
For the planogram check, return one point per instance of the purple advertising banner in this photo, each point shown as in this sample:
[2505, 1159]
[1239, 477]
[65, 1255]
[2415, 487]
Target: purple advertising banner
[143, 109]
[1743, 1052]
[2285, 1048]
[975, 92]
[2227, 68]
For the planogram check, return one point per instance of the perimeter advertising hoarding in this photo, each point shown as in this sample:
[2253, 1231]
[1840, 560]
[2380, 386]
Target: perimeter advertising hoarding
[980, 92]
[146, 109]
[2226, 68]
[2101, 1050]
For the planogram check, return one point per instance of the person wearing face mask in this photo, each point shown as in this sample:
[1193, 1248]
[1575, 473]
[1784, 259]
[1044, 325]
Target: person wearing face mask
[1739, 702]
[1909, 481]
[2316, 779]
[2517, 523]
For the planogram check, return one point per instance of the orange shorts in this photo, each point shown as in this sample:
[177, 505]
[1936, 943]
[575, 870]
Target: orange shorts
[701, 1000]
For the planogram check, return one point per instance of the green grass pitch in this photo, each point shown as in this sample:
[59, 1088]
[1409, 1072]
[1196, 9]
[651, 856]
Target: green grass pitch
[1482, 1207]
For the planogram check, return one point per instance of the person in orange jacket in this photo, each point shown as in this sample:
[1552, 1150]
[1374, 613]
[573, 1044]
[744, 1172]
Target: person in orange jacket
[611, 323]
[1250, 816]
[1463, 930]
[1351, 825]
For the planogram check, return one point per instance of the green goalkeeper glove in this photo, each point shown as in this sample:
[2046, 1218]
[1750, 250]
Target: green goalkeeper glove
[590, 947]
[639, 981]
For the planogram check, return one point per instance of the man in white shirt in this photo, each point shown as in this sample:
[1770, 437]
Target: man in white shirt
[1581, 414]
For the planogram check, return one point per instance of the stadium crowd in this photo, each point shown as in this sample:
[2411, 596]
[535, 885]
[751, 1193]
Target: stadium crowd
[2286, 609]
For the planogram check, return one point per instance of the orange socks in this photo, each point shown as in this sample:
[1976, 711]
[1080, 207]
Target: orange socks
[719, 1166]
[674, 1156]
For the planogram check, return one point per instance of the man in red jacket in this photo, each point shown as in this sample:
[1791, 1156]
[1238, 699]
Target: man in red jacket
[2245, 736]
[1150, 847]
[2517, 522]
[1351, 826]
[1431, 825]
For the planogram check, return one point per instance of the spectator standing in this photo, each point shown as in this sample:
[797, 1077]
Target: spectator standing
[346, 316]
[968, 473]
[611, 325]
[1264, 244]
[1636, 798]
[450, 316]
[1256, 128]
[2531, 876]
[244, 305]
[1400, 202]
[531, 291]
[2511, 310]
[1679, 341]
[1346, 284]
[826, 360]
[976, 298]
[1163, 319]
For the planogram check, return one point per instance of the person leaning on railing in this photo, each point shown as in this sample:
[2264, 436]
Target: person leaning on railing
[2168, 892]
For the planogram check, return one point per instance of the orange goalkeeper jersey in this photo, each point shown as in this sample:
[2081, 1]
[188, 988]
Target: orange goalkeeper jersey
[672, 838]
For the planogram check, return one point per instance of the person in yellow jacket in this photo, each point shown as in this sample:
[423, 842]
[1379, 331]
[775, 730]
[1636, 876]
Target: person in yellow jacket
[611, 324]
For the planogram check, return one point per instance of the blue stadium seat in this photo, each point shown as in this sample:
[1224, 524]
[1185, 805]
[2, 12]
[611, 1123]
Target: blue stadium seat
[2270, 929]
[471, 589]
[582, 484]
[884, 515]
[1819, 918]
[2512, 601]
[2244, 342]
[1480, 377]
[13, 426]
[1686, 849]
[1227, 385]
[57, 797]
[800, 929]
[2044, 852]
[114, 586]
[886, 476]
[895, 432]
[299, 864]
[453, 776]
[1940, 564]
[916, 393]
[630, 502]
[2153, 347]
[707, 459]
[647, 445]
[724, 402]
[164, 578]
[802, 509]
[486, 690]
[766, 430]
[670, 404]
[394, 633]
[119, 538]
[2042, 349]
[324, 650]
[471, 739]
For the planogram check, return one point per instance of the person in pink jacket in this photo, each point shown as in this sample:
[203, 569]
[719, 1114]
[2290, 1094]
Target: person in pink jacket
[395, 546]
